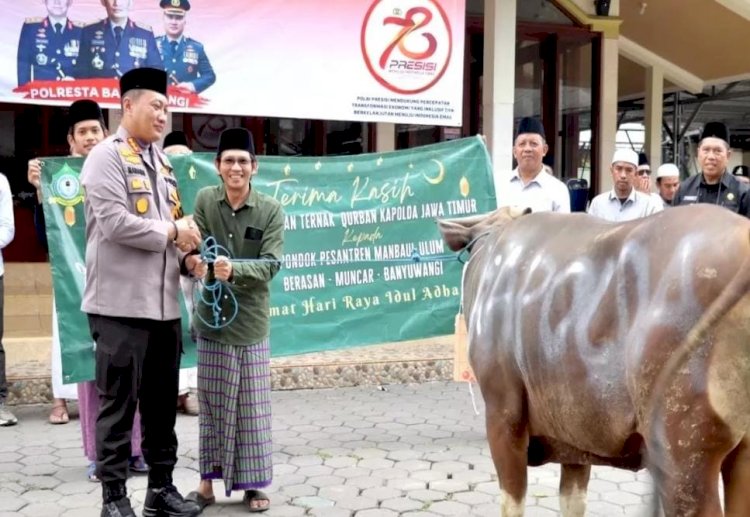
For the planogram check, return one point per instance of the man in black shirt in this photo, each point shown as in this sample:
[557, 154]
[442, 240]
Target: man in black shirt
[714, 184]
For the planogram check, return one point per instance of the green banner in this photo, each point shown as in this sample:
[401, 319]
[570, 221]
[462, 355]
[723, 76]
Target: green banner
[364, 262]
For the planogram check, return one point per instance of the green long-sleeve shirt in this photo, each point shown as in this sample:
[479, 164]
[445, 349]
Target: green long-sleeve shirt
[255, 230]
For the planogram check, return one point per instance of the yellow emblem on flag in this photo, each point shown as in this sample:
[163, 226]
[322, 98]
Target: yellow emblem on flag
[136, 183]
[70, 215]
[141, 205]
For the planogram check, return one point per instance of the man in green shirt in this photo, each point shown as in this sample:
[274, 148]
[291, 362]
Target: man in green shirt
[234, 374]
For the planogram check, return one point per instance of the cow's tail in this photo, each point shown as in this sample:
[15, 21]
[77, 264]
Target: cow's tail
[658, 459]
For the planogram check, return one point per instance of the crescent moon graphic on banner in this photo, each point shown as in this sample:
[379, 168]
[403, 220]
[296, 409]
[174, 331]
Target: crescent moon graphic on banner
[441, 174]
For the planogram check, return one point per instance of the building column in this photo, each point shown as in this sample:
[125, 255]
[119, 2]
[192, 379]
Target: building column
[114, 116]
[608, 114]
[498, 84]
[653, 115]
[167, 128]
[385, 137]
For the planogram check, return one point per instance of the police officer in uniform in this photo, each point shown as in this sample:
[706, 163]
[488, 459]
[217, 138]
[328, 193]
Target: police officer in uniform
[48, 47]
[185, 59]
[112, 46]
[714, 184]
[135, 238]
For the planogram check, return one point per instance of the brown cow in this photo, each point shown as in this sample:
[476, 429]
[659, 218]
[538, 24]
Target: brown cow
[571, 322]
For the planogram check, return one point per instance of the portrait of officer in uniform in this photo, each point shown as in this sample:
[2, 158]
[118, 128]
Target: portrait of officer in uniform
[185, 59]
[48, 47]
[117, 44]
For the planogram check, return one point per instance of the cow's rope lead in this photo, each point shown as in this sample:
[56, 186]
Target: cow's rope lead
[215, 292]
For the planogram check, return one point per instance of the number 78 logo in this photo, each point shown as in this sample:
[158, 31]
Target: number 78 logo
[412, 48]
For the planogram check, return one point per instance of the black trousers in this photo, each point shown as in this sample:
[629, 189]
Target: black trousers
[137, 361]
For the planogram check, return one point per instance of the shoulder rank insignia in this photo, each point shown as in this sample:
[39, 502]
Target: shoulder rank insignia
[130, 156]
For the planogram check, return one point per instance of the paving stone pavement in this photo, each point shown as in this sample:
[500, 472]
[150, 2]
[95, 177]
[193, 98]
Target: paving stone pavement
[414, 450]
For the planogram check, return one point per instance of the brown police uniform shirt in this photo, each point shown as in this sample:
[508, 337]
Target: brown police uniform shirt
[131, 199]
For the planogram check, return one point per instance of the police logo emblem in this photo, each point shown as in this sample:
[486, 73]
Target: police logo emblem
[141, 205]
[175, 3]
[41, 59]
[97, 62]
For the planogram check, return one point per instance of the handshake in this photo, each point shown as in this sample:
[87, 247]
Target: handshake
[185, 234]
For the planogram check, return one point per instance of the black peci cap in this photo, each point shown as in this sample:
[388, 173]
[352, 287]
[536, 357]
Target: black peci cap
[144, 79]
[715, 130]
[84, 109]
[175, 138]
[236, 138]
[530, 125]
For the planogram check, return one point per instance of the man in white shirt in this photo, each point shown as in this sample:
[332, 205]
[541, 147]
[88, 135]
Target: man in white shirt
[624, 202]
[7, 232]
[667, 182]
[529, 185]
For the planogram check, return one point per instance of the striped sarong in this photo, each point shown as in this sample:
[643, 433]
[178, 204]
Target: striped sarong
[234, 394]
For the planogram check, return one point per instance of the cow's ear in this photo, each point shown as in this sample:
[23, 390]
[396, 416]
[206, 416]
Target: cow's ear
[516, 211]
[455, 234]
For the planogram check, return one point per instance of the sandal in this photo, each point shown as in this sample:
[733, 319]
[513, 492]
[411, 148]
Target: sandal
[59, 414]
[253, 496]
[91, 472]
[137, 464]
[201, 501]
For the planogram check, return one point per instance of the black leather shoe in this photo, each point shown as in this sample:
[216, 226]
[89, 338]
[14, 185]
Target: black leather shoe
[119, 508]
[167, 502]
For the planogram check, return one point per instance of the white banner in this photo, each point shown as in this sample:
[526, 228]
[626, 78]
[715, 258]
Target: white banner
[360, 60]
